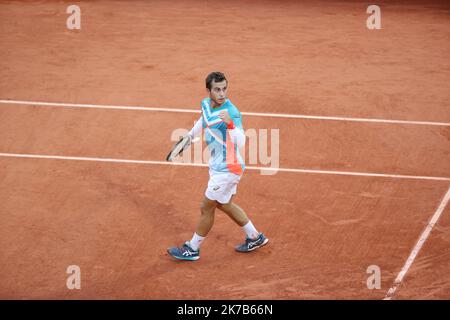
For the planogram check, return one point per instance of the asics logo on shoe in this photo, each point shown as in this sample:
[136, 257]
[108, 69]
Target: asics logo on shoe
[187, 252]
[253, 243]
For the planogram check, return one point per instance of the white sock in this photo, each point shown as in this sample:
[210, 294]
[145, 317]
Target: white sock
[250, 230]
[196, 241]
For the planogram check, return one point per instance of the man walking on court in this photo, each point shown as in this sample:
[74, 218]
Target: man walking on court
[222, 122]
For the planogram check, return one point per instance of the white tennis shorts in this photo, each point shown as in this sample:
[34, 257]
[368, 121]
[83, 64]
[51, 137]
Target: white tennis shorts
[221, 186]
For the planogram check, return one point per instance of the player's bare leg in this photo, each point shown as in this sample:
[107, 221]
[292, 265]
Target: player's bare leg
[236, 213]
[206, 221]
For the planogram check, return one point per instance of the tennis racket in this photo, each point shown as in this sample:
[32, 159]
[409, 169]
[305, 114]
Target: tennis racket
[179, 147]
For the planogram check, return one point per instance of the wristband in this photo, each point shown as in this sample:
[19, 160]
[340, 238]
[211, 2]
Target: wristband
[230, 125]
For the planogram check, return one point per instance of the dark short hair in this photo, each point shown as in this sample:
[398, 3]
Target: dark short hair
[216, 77]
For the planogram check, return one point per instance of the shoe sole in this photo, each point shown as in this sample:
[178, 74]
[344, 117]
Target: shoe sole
[257, 247]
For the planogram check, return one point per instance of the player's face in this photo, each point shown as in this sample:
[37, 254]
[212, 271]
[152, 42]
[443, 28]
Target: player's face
[218, 92]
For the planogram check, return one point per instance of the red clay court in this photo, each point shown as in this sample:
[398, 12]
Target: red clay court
[76, 104]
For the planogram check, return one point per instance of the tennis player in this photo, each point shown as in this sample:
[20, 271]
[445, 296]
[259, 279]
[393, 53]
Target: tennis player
[222, 122]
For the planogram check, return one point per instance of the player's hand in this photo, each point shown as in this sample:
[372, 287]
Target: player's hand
[225, 116]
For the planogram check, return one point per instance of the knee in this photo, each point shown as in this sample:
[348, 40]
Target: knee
[207, 208]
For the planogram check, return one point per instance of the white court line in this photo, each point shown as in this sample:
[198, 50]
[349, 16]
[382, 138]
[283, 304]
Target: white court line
[95, 106]
[345, 173]
[256, 114]
[418, 246]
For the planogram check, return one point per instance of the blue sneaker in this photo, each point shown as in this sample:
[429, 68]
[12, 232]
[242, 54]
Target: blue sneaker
[184, 253]
[250, 245]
